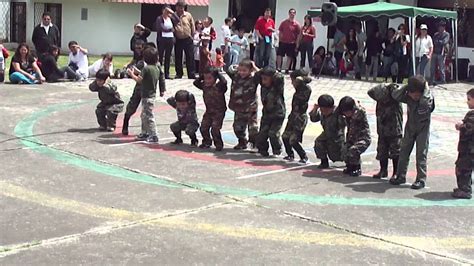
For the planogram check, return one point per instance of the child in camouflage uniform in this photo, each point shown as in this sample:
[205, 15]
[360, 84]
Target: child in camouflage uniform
[389, 127]
[110, 103]
[297, 120]
[330, 143]
[274, 111]
[465, 161]
[214, 99]
[417, 95]
[243, 101]
[358, 135]
[185, 106]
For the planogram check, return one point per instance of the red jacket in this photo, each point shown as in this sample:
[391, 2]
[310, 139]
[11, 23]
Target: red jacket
[5, 53]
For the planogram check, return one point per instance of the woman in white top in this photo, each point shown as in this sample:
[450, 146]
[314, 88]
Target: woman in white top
[198, 25]
[104, 63]
[423, 49]
[78, 65]
[165, 38]
[402, 56]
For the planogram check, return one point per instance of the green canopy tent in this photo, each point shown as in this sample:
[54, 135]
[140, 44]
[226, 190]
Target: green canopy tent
[390, 10]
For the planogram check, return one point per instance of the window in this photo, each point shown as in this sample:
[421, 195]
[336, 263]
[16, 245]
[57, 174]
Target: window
[84, 13]
[149, 13]
[247, 12]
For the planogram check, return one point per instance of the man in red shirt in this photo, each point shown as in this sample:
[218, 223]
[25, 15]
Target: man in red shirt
[289, 31]
[264, 27]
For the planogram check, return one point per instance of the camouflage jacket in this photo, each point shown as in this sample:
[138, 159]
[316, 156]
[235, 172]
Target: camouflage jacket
[273, 99]
[333, 125]
[185, 116]
[299, 104]
[243, 94]
[466, 134]
[358, 127]
[108, 93]
[419, 112]
[214, 97]
[389, 112]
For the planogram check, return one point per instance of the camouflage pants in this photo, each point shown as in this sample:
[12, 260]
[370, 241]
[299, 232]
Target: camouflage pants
[134, 101]
[189, 128]
[388, 147]
[212, 121]
[421, 137]
[242, 121]
[270, 129]
[325, 148]
[107, 114]
[293, 135]
[464, 166]
[352, 151]
[147, 116]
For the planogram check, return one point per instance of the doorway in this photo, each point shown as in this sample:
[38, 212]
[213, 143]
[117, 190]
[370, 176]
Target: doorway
[248, 11]
[18, 22]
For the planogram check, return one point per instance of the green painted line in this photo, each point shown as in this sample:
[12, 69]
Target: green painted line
[24, 130]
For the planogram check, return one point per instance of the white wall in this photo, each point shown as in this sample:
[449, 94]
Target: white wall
[218, 10]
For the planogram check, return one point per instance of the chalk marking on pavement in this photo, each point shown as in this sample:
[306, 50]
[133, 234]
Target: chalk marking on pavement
[276, 171]
[128, 219]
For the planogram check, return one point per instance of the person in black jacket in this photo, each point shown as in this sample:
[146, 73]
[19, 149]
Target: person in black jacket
[45, 35]
[140, 32]
[49, 65]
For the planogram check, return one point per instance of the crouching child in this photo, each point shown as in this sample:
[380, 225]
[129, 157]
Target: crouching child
[185, 105]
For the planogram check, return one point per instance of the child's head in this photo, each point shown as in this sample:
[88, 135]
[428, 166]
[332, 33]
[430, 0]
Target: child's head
[210, 75]
[207, 21]
[416, 87]
[138, 28]
[326, 104]
[150, 56]
[267, 76]
[298, 73]
[107, 59]
[205, 42]
[150, 45]
[73, 47]
[54, 50]
[347, 106]
[182, 99]
[245, 68]
[241, 32]
[139, 46]
[229, 21]
[470, 98]
[218, 51]
[101, 77]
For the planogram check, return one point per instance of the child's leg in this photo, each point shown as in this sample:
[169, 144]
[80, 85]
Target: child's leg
[17, 77]
[274, 135]
[464, 166]
[383, 145]
[408, 142]
[101, 114]
[394, 152]
[287, 134]
[295, 141]
[148, 118]
[112, 113]
[262, 138]
[240, 126]
[422, 143]
[353, 154]
[217, 121]
[190, 130]
[205, 127]
[176, 128]
[252, 127]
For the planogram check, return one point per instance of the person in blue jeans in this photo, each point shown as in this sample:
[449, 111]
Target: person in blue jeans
[23, 67]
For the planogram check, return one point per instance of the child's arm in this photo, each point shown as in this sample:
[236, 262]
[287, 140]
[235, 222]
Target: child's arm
[400, 94]
[231, 71]
[222, 83]
[135, 77]
[427, 99]
[93, 87]
[378, 92]
[467, 125]
[83, 50]
[161, 82]
[172, 102]
[315, 115]
[110, 88]
[198, 83]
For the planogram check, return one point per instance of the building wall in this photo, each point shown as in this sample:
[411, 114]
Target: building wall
[4, 16]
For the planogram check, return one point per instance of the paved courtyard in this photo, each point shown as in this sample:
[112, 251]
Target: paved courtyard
[72, 195]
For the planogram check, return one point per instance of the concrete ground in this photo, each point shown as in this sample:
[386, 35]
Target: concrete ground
[72, 195]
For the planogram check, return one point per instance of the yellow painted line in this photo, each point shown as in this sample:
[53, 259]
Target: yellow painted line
[267, 234]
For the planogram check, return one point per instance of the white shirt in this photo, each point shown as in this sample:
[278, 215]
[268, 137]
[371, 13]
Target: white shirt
[226, 33]
[167, 24]
[46, 28]
[98, 65]
[423, 45]
[243, 41]
[80, 59]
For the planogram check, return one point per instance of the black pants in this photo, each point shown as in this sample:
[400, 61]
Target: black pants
[134, 101]
[165, 49]
[402, 67]
[186, 46]
[306, 49]
[252, 51]
[338, 56]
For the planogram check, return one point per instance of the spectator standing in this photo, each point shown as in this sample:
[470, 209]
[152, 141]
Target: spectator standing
[45, 35]
[264, 27]
[374, 50]
[305, 42]
[227, 35]
[388, 54]
[239, 45]
[209, 31]
[184, 31]
[197, 42]
[289, 31]
[440, 43]
[361, 39]
[165, 38]
[23, 67]
[140, 32]
[339, 45]
[423, 50]
[402, 40]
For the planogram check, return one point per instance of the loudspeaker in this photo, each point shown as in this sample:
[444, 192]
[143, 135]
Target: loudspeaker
[329, 14]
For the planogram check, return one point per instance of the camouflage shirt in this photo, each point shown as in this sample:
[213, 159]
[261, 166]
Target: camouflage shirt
[419, 112]
[333, 125]
[185, 116]
[466, 134]
[389, 112]
[299, 104]
[214, 96]
[358, 127]
[243, 94]
[108, 93]
[273, 99]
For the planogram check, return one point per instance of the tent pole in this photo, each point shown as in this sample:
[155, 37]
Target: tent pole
[413, 32]
[455, 30]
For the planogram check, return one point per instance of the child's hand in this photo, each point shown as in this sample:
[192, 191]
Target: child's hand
[458, 126]
[130, 72]
[316, 107]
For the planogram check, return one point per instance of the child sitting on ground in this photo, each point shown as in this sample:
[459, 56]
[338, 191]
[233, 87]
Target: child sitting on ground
[214, 87]
[150, 76]
[389, 127]
[465, 160]
[358, 134]
[244, 102]
[274, 111]
[185, 106]
[297, 120]
[417, 95]
[110, 103]
[330, 143]
[78, 65]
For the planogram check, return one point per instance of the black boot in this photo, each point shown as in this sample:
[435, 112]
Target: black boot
[194, 140]
[324, 164]
[126, 120]
[356, 171]
[383, 169]
[395, 166]
[348, 169]
[242, 145]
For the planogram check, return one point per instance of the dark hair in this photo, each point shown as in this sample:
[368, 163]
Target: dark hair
[139, 42]
[197, 22]
[470, 93]
[319, 49]
[326, 101]
[402, 25]
[299, 73]
[102, 74]
[218, 51]
[71, 43]
[347, 104]
[181, 3]
[268, 71]
[416, 84]
[17, 51]
[150, 45]
[182, 96]
[150, 56]
[46, 14]
[310, 20]
[392, 30]
[53, 48]
[246, 63]
[210, 19]
[108, 56]
[291, 9]
[241, 29]
[211, 70]
[268, 9]
[227, 20]
[165, 6]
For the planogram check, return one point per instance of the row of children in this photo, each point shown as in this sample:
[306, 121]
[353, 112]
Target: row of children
[330, 145]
